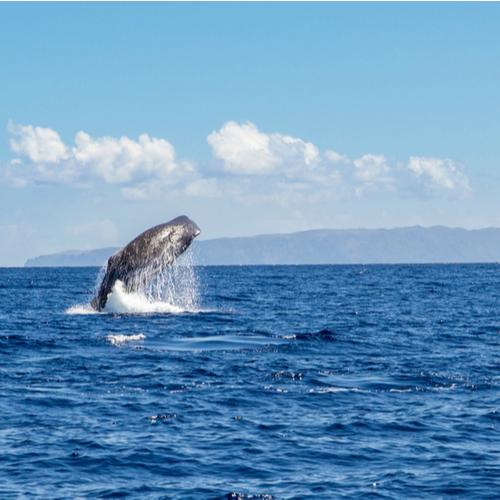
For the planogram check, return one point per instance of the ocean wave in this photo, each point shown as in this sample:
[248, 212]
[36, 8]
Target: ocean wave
[287, 383]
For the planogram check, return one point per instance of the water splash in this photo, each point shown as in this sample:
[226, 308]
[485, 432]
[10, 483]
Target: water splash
[171, 289]
[121, 301]
[176, 284]
[154, 289]
[81, 309]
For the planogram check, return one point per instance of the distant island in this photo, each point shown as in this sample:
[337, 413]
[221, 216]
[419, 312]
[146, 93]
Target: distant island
[415, 244]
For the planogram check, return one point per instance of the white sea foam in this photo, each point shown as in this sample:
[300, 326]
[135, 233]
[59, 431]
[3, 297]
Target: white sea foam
[120, 301]
[81, 309]
[326, 390]
[122, 339]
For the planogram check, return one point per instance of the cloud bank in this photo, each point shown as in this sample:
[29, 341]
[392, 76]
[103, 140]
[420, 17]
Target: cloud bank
[243, 150]
[248, 164]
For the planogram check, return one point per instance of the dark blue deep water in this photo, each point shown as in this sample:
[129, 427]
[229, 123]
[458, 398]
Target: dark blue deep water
[293, 382]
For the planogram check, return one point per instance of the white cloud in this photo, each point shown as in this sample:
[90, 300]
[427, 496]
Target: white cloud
[243, 149]
[270, 166]
[123, 159]
[286, 166]
[293, 150]
[40, 145]
[440, 172]
[112, 160]
[371, 168]
[334, 157]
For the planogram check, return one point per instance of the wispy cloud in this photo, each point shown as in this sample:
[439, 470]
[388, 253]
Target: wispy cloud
[438, 172]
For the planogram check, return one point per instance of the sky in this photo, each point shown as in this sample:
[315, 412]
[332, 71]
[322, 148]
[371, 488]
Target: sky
[250, 118]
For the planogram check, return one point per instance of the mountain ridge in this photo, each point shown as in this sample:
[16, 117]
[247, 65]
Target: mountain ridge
[408, 244]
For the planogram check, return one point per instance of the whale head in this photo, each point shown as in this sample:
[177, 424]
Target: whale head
[161, 244]
[186, 231]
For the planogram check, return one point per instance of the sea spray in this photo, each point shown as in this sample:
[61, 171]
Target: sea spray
[172, 289]
[176, 284]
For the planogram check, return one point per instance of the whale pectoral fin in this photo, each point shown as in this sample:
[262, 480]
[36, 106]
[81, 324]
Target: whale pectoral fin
[99, 301]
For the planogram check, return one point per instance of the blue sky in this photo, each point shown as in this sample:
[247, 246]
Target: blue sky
[250, 118]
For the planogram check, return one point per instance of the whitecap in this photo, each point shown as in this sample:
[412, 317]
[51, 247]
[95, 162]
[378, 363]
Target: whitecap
[332, 389]
[120, 339]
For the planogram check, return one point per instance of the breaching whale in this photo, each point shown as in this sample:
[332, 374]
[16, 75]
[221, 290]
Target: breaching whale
[146, 255]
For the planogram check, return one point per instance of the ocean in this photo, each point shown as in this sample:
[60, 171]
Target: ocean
[253, 383]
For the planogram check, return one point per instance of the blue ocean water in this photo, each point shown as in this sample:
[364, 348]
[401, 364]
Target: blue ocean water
[286, 382]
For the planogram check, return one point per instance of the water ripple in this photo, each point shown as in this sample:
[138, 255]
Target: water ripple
[288, 382]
